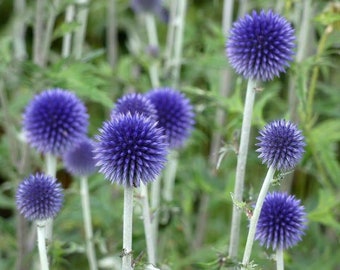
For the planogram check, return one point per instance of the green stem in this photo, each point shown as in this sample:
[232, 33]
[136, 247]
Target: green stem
[279, 259]
[67, 38]
[241, 168]
[42, 245]
[150, 243]
[127, 229]
[155, 205]
[38, 34]
[84, 192]
[153, 42]
[256, 214]
[79, 35]
[111, 39]
[51, 168]
[315, 74]
[53, 12]
[169, 176]
[178, 44]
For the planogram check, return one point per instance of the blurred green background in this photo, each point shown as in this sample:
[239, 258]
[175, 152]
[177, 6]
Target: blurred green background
[195, 227]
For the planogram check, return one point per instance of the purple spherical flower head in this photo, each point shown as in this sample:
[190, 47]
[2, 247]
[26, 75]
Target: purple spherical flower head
[281, 144]
[39, 197]
[175, 114]
[282, 221]
[79, 160]
[146, 5]
[260, 45]
[55, 120]
[134, 103]
[131, 150]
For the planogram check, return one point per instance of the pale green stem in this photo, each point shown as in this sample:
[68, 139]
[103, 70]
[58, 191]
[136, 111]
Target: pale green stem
[256, 214]
[178, 45]
[170, 40]
[84, 192]
[241, 168]
[38, 33]
[169, 176]
[279, 259]
[127, 229]
[53, 12]
[42, 245]
[67, 38]
[150, 243]
[79, 35]
[51, 169]
[111, 33]
[153, 42]
[19, 28]
[315, 74]
[155, 205]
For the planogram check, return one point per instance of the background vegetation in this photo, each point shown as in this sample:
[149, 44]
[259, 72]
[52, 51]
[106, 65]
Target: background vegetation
[194, 230]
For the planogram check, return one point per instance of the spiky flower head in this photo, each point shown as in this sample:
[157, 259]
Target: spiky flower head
[131, 149]
[281, 144]
[260, 45]
[134, 103]
[79, 160]
[55, 120]
[39, 197]
[282, 221]
[146, 5]
[175, 114]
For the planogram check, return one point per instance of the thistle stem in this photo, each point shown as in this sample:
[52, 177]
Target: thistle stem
[127, 229]
[38, 35]
[241, 168]
[150, 243]
[153, 42]
[169, 176]
[178, 44]
[256, 214]
[79, 35]
[19, 29]
[51, 168]
[84, 192]
[111, 33]
[155, 205]
[67, 38]
[279, 259]
[42, 245]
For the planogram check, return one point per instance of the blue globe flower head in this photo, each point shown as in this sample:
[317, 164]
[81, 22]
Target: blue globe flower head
[260, 46]
[282, 221]
[131, 149]
[146, 5]
[39, 197]
[54, 121]
[79, 160]
[134, 103]
[281, 144]
[175, 114]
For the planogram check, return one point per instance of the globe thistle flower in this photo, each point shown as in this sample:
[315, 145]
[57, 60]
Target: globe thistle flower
[175, 114]
[79, 160]
[146, 5]
[135, 103]
[281, 144]
[282, 221]
[131, 149]
[55, 120]
[39, 197]
[260, 45]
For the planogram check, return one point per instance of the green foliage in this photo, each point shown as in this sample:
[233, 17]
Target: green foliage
[316, 181]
